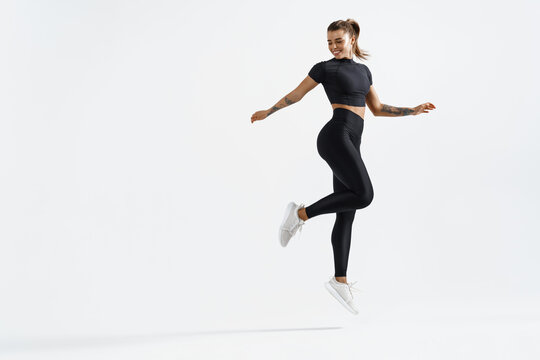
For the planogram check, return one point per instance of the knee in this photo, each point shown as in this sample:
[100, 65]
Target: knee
[364, 198]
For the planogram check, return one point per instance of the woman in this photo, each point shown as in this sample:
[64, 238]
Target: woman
[349, 87]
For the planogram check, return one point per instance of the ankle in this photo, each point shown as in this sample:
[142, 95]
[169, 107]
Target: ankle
[341, 279]
[302, 214]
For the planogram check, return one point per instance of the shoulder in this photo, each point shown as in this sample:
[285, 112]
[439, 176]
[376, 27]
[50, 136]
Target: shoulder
[366, 68]
[321, 63]
[368, 73]
[317, 71]
[319, 66]
[327, 61]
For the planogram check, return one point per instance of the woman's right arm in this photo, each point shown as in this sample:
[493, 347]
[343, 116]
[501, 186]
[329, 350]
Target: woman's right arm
[293, 97]
[289, 99]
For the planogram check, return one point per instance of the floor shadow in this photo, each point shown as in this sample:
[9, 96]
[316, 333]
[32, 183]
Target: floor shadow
[66, 343]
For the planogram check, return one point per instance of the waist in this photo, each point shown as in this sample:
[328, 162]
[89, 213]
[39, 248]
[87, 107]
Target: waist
[345, 118]
[346, 114]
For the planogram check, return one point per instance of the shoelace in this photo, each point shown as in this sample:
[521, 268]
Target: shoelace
[352, 288]
[298, 226]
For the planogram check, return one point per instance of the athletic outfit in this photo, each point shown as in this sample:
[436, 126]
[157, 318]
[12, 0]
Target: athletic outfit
[338, 143]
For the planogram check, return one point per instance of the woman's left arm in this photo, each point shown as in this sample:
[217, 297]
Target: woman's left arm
[379, 109]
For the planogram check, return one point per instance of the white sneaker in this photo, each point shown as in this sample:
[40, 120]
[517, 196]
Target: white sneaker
[343, 293]
[290, 224]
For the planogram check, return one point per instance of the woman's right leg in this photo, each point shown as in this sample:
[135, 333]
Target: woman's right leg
[341, 236]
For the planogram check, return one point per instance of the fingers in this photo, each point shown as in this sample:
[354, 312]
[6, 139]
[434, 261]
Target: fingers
[258, 115]
[427, 106]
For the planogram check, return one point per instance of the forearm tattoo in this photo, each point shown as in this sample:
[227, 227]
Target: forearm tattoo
[397, 111]
[281, 104]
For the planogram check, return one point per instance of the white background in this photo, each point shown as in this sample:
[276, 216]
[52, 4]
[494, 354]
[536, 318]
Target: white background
[138, 201]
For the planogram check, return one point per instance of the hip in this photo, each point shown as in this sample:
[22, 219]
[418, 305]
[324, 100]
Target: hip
[344, 121]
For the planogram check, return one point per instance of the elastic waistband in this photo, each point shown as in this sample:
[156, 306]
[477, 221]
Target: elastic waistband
[347, 114]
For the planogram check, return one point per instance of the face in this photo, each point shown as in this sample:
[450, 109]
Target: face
[340, 41]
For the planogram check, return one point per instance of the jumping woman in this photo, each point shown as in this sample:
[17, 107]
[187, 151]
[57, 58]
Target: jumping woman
[349, 87]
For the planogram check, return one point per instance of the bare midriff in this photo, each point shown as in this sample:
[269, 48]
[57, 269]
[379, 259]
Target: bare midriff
[358, 110]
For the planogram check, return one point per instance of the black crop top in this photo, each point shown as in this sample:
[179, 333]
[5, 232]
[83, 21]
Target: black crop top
[344, 80]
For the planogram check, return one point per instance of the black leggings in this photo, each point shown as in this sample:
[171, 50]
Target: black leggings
[338, 144]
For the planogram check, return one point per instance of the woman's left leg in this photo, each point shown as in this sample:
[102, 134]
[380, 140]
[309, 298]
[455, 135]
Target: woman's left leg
[341, 151]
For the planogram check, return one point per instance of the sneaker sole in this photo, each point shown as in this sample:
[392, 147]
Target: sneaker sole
[334, 293]
[288, 210]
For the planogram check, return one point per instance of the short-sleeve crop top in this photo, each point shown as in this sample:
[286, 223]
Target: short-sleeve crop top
[344, 80]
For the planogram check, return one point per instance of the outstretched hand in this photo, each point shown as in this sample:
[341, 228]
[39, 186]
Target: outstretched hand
[259, 115]
[423, 108]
